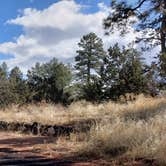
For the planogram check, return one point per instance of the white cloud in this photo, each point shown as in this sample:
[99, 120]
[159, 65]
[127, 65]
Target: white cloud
[55, 32]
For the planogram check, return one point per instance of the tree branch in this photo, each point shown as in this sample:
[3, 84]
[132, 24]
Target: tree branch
[139, 5]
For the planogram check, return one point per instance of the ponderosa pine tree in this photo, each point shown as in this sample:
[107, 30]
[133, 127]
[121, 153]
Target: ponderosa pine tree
[89, 61]
[18, 86]
[89, 58]
[6, 95]
[124, 72]
[47, 81]
[151, 15]
[3, 71]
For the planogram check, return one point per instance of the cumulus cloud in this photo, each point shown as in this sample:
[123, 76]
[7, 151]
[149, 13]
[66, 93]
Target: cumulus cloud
[55, 32]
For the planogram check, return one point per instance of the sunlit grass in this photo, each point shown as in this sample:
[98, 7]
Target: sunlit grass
[135, 129]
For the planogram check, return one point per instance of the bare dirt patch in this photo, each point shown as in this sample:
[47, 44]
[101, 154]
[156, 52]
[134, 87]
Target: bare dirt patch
[18, 149]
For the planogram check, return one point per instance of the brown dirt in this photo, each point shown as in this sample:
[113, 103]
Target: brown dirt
[26, 150]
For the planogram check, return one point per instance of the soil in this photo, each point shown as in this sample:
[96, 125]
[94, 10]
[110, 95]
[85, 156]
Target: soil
[30, 150]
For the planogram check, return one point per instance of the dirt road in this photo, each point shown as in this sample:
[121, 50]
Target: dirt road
[17, 149]
[25, 150]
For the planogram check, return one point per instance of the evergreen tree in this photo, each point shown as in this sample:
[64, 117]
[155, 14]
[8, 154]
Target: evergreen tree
[18, 86]
[89, 58]
[16, 74]
[6, 95]
[47, 81]
[89, 61]
[3, 71]
[152, 79]
[132, 78]
[151, 22]
[124, 72]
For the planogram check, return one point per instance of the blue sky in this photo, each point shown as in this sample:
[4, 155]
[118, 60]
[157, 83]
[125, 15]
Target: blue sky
[11, 8]
[16, 35]
[38, 30]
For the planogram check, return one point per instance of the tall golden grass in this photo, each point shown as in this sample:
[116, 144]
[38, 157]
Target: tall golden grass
[136, 129]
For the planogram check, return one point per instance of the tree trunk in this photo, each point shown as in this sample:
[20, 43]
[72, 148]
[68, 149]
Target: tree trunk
[89, 64]
[163, 41]
[88, 76]
[163, 36]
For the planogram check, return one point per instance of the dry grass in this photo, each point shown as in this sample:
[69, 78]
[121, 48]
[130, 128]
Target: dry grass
[136, 129]
[53, 114]
[142, 108]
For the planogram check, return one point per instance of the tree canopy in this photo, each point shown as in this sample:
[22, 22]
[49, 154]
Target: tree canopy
[49, 80]
[151, 22]
[90, 57]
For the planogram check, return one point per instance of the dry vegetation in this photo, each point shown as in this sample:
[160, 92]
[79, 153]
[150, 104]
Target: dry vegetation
[135, 129]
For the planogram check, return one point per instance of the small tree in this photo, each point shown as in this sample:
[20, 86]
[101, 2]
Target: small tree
[18, 86]
[132, 78]
[48, 80]
[6, 95]
[124, 72]
[3, 71]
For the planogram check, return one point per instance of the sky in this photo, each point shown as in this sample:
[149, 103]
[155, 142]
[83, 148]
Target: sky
[37, 30]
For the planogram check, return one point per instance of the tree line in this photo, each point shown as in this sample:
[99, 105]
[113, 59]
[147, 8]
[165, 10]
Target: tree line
[97, 75]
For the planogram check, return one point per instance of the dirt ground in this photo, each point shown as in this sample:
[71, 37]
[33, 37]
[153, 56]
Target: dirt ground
[18, 149]
[26, 150]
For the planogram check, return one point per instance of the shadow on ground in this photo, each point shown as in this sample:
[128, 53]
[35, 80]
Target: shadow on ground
[20, 151]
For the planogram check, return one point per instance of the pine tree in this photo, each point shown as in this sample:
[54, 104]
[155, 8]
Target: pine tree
[132, 78]
[18, 86]
[124, 72]
[6, 95]
[151, 15]
[47, 81]
[89, 61]
[89, 58]
[3, 71]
